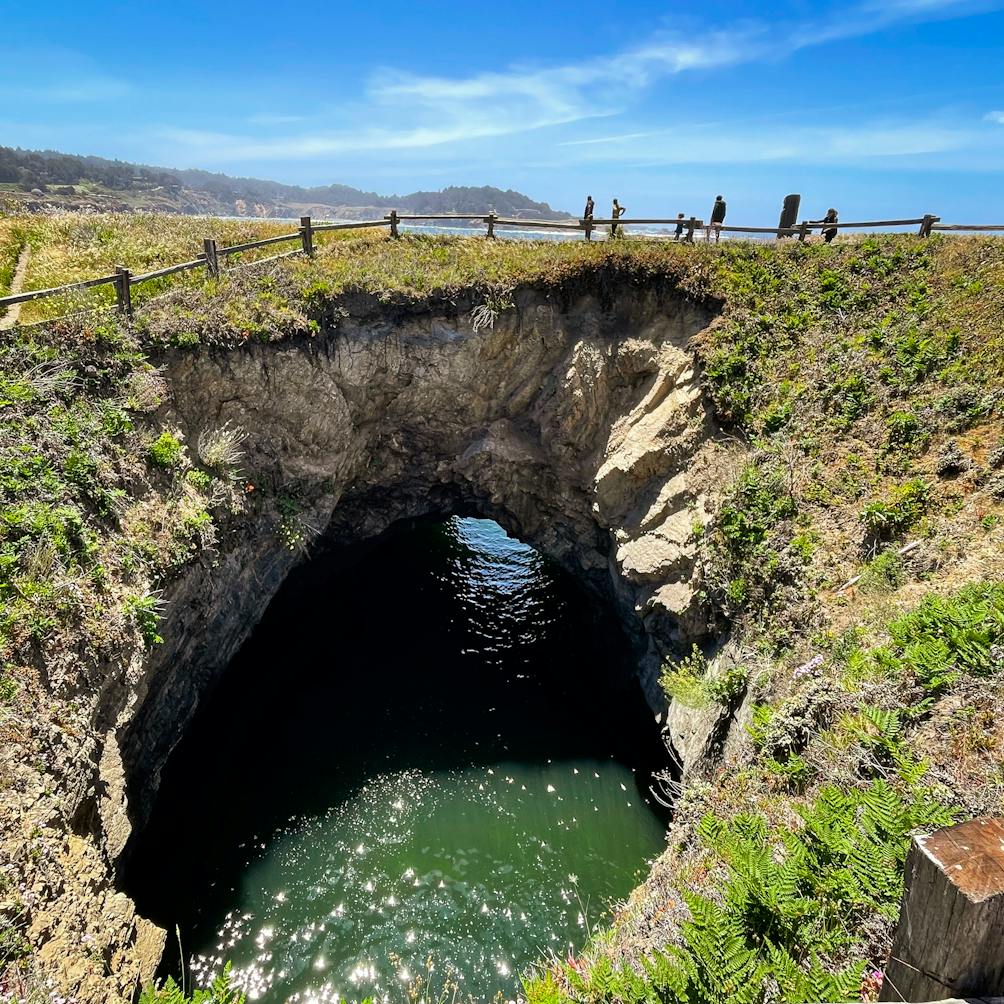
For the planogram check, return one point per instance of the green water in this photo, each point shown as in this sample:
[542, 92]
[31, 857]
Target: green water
[429, 764]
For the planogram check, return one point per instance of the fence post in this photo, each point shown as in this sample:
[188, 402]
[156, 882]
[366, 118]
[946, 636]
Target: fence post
[123, 294]
[490, 220]
[803, 229]
[691, 227]
[307, 236]
[212, 259]
[926, 224]
[789, 213]
[950, 940]
[392, 217]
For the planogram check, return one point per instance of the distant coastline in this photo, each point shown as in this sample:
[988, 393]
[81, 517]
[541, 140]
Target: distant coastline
[46, 181]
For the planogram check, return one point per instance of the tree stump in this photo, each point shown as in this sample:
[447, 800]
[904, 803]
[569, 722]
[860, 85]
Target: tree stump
[950, 940]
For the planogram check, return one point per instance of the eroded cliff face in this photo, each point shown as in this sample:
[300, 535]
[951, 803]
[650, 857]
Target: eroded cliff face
[580, 426]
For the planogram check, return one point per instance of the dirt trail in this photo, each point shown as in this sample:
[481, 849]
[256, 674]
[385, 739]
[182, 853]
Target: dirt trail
[9, 319]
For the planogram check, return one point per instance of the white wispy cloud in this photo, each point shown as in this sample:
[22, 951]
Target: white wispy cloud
[418, 112]
[552, 95]
[624, 137]
[997, 117]
[744, 142]
[266, 119]
[81, 90]
[217, 146]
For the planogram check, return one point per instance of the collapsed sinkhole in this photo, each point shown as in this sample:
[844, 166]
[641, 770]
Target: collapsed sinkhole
[432, 747]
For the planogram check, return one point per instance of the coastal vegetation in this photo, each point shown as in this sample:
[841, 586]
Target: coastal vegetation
[66, 181]
[855, 559]
[867, 382]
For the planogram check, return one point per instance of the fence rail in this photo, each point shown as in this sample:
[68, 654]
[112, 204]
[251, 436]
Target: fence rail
[964, 226]
[170, 270]
[213, 255]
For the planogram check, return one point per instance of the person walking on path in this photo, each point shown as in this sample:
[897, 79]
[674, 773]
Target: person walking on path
[828, 232]
[679, 227]
[615, 214]
[717, 218]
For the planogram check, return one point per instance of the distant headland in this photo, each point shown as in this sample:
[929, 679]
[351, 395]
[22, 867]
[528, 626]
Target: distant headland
[46, 179]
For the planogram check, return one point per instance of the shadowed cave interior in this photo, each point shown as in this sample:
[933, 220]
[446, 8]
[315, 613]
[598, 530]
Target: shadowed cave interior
[431, 751]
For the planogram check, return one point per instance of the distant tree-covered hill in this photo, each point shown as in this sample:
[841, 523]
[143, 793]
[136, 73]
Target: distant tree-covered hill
[47, 177]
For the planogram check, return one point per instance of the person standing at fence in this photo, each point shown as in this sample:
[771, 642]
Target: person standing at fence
[717, 218]
[680, 226]
[616, 212]
[828, 232]
[587, 217]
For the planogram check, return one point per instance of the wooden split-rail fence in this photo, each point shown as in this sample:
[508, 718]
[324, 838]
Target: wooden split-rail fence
[213, 257]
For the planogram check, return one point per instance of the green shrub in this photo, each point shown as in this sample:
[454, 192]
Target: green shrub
[219, 992]
[944, 638]
[918, 352]
[727, 687]
[683, 681]
[14, 947]
[759, 727]
[834, 291]
[199, 479]
[775, 416]
[883, 574]
[759, 500]
[165, 450]
[688, 683]
[750, 548]
[901, 509]
[904, 432]
[115, 422]
[794, 771]
[8, 689]
[848, 396]
[145, 612]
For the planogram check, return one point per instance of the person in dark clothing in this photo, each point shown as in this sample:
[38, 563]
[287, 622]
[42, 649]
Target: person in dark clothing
[679, 227]
[587, 215]
[717, 218]
[616, 212]
[828, 232]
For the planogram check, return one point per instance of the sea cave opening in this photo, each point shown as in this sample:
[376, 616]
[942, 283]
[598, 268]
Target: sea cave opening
[429, 764]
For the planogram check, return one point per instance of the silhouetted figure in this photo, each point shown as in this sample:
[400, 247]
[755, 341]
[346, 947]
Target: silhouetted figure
[587, 217]
[615, 214]
[828, 232]
[679, 227]
[717, 218]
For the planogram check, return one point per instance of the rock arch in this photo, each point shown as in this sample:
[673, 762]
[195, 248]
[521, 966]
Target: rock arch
[579, 425]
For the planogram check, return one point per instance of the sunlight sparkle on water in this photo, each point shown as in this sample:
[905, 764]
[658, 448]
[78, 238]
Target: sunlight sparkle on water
[463, 864]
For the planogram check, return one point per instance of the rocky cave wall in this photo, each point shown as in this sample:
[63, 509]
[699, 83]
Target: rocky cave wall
[579, 425]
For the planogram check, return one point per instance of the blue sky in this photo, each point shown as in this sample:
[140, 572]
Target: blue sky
[877, 107]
